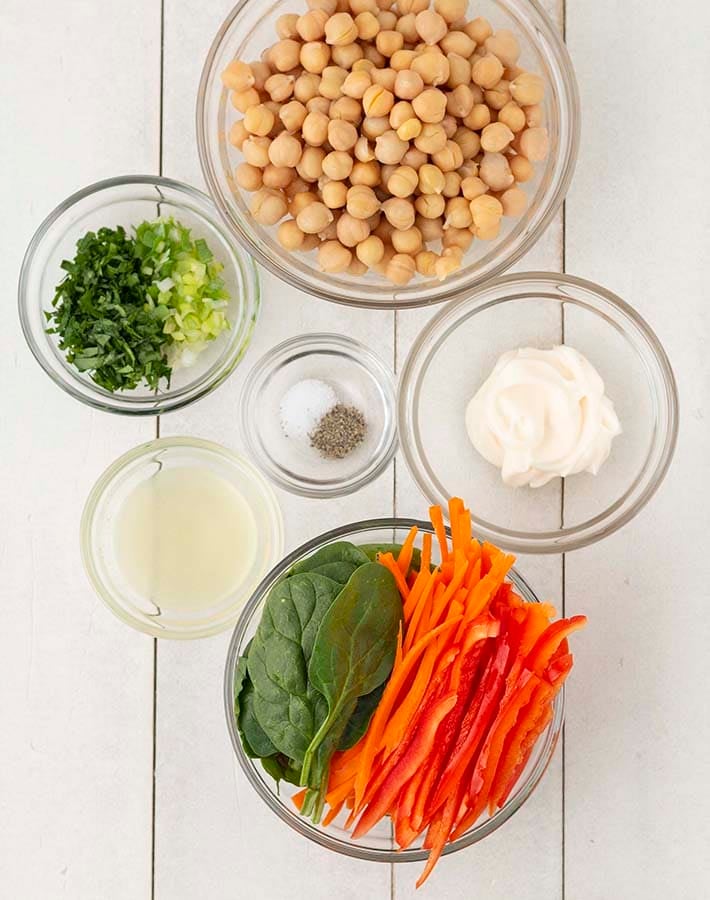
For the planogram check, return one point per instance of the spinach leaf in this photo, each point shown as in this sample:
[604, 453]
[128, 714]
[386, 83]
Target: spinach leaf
[353, 652]
[340, 570]
[280, 769]
[360, 719]
[371, 551]
[254, 740]
[340, 551]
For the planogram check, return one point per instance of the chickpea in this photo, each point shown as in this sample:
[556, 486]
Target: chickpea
[248, 177]
[333, 257]
[386, 172]
[407, 27]
[377, 101]
[371, 250]
[457, 42]
[479, 30]
[278, 176]
[279, 87]
[356, 267]
[362, 202]
[487, 71]
[478, 118]
[512, 116]
[449, 158]
[411, 6]
[485, 211]
[402, 60]
[452, 184]
[238, 134]
[431, 138]
[409, 130]
[346, 55]
[315, 129]
[488, 232]
[459, 102]
[244, 100]
[414, 158]
[388, 42]
[340, 29]
[289, 235]
[400, 113]
[320, 105]
[449, 124]
[334, 194]
[400, 269]
[408, 84]
[534, 116]
[306, 87]
[496, 137]
[527, 89]
[310, 242]
[504, 45]
[385, 78]
[472, 187]
[355, 84]
[352, 231]
[285, 150]
[301, 201]
[407, 241]
[498, 96]
[514, 201]
[457, 213]
[374, 56]
[389, 148]
[431, 27]
[399, 213]
[261, 71]
[256, 151]
[403, 182]
[311, 25]
[314, 57]
[296, 186]
[346, 108]
[521, 167]
[367, 173]
[310, 165]
[314, 218]
[293, 115]
[431, 179]
[425, 262]
[284, 55]
[448, 262]
[330, 6]
[459, 71]
[495, 171]
[268, 206]
[433, 67]
[286, 26]
[363, 65]
[432, 228]
[342, 135]
[338, 165]
[535, 144]
[468, 141]
[238, 76]
[363, 150]
[384, 231]
[430, 105]
[331, 82]
[367, 25]
[457, 237]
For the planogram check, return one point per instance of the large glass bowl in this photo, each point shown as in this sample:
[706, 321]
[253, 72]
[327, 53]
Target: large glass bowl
[128, 201]
[250, 28]
[378, 845]
[455, 353]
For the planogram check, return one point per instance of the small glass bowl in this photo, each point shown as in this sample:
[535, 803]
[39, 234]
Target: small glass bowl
[456, 352]
[377, 846]
[250, 28]
[103, 506]
[127, 201]
[358, 377]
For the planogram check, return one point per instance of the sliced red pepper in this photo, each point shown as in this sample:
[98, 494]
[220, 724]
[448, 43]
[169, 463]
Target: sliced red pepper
[526, 749]
[559, 669]
[439, 836]
[550, 640]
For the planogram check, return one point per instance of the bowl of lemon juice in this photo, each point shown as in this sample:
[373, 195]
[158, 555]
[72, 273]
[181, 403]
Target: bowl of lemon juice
[177, 533]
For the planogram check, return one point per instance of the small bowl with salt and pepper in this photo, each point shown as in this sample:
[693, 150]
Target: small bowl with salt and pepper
[318, 415]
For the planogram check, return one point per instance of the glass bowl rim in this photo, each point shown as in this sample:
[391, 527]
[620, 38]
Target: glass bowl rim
[115, 403]
[279, 807]
[484, 298]
[311, 284]
[103, 484]
[316, 341]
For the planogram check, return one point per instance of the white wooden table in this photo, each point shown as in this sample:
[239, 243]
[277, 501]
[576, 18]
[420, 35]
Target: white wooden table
[117, 779]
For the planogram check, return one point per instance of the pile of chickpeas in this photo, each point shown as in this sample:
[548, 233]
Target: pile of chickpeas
[373, 130]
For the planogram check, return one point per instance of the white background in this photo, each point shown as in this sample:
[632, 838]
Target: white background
[116, 774]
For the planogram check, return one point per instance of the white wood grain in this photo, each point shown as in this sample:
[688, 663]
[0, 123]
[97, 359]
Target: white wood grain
[638, 725]
[76, 686]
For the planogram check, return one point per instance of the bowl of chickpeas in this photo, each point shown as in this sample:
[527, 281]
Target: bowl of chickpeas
[387, 153]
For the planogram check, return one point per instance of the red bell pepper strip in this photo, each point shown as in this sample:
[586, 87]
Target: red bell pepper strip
[526, 749]
[440, 834]
[559, 669]
[414, 756]
[549, 641]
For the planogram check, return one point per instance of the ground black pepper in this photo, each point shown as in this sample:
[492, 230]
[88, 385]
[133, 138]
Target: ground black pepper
[339, 431]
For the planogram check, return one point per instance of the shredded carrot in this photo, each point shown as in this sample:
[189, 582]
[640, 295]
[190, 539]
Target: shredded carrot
[390, 563]
[437, 520]
[404, 559]
[298, 798]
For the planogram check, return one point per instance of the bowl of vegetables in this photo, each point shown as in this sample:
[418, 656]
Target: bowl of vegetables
[134, 298]
[393, 688]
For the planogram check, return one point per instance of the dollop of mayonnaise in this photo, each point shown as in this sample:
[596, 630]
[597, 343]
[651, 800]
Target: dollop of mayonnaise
[542, 414]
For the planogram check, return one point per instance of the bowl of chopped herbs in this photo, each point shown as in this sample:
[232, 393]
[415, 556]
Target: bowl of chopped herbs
[133, 297]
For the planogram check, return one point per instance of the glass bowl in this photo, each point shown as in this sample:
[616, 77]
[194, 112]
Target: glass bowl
[358, 377]
[378, 845]
[128, 201]
[249, 29]
[98, 537]
[456, 352]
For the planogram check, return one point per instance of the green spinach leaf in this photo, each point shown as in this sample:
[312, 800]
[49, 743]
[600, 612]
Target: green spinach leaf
[340, 551]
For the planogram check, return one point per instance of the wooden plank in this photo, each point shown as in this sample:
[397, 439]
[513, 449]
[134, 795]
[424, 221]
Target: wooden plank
[76, 694]
[213, 834]
[638, 727]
